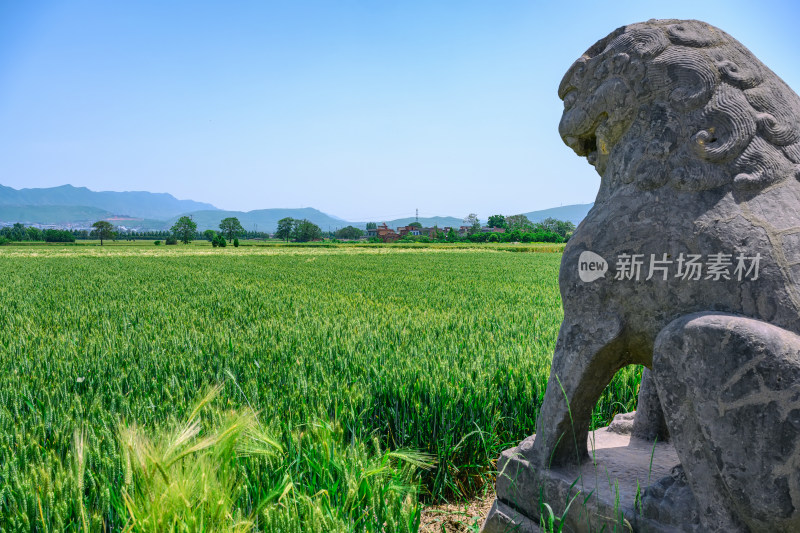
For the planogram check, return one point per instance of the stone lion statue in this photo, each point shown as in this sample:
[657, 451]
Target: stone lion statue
[688, 263]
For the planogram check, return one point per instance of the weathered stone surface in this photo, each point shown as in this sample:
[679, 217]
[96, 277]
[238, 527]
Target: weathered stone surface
[604, 487]
[649, 422]
[698, 147]
[731, 385]
[505, 519]
[622, 424]
[669, 504]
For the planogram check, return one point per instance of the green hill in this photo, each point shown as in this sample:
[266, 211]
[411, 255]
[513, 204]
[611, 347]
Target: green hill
[573, 213]
[262, 219]
[51, 214]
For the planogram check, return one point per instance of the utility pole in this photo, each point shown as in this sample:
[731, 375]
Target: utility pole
[417, 216]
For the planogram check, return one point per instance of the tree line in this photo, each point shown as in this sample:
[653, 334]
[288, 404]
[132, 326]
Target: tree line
[518, 228]
[230, 228]
[20, 233]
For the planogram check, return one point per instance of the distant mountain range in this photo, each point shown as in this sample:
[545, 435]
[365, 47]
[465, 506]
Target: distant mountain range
[573, 213]
[136, 204]
[70, 206]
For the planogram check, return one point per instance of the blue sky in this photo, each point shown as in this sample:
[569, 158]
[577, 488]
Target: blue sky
[364, 110]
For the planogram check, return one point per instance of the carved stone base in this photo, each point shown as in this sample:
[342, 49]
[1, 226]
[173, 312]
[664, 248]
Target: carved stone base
[502, 519]
[603, 491]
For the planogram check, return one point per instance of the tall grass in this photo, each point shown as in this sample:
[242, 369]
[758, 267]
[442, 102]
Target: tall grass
[446, 352]
[187, 479]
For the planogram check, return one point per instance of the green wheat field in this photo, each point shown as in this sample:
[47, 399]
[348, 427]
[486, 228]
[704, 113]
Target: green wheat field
[267, 388]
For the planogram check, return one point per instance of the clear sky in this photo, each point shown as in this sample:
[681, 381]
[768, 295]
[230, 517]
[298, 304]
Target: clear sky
[364, 110]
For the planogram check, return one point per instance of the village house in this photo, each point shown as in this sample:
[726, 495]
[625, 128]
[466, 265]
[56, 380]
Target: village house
[386, 234]
[432, 233]
[408, 230]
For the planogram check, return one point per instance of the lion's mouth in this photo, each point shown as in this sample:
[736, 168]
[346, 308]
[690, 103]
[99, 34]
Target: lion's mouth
[590, 146]
[584, 145]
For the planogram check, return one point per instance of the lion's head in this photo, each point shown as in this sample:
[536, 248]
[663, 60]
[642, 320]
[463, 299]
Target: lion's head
[680, 103]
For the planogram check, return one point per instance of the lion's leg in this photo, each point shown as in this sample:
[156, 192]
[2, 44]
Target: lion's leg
[649, 423]
[730, 388]
[587, 356]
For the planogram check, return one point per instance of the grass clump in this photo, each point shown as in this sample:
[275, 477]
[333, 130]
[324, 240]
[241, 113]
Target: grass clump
[182, 480]
[185, 478]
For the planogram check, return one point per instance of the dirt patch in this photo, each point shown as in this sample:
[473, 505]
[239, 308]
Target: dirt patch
[457, 517]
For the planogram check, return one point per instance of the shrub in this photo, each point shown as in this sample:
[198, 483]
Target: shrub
[157, 243]
[171, 240]
[57, 235]
[236, 242]
[543, 236]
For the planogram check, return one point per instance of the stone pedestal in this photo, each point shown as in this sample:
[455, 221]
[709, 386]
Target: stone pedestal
[628, 484]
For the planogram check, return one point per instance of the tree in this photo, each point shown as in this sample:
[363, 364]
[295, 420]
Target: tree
[553, 225]
[285, 228]
[103, 230]
[18, 232]
[416, 225]
[231, 227]
[497, 221]
[219, 241]
[236, 242]
[209, 235]
[305, 230]
[184, 229]
[350, 233]
[519, 222]
[452, 236]
[35, 234]
[474, 224]
[372, 225]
